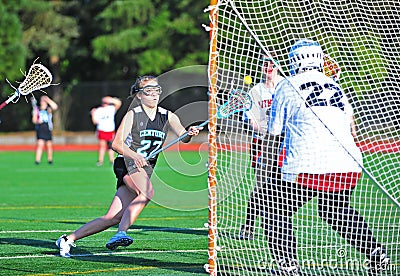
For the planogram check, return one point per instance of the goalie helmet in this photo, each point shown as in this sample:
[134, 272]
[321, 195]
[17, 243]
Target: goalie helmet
[304, 55]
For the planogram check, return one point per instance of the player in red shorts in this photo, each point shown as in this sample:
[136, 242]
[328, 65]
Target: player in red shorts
[103, 118]
[262, 161]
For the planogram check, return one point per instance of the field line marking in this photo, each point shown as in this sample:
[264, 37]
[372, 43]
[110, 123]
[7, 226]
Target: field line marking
[165, 229]
[104, 254]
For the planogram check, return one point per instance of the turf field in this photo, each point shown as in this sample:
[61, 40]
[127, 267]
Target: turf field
[38, 203]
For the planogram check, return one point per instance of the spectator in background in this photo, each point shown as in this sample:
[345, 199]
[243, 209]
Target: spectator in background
[103, 118]
[42, 118]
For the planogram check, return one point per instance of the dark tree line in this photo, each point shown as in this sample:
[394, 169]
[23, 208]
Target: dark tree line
[91, 41]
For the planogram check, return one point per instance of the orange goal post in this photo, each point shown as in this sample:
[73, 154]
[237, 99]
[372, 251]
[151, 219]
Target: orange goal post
[361, 45]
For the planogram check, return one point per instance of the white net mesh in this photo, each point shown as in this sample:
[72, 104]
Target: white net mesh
[362, 37]
[38, 77]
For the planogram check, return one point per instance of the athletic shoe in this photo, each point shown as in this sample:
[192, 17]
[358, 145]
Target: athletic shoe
[65, 246]
[379, 261]
[119, 239]
[246, 233]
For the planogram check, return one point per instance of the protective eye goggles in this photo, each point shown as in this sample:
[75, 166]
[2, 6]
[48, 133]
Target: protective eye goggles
[265, 60]
[151, 90]
[135, 87]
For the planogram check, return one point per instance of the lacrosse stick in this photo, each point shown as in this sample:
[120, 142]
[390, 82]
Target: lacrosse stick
[238, 101]
[38, 77]
[331, 68]
[33, 102]
[34, 106]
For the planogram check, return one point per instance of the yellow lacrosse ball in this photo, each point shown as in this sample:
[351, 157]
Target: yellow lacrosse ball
[248, 80]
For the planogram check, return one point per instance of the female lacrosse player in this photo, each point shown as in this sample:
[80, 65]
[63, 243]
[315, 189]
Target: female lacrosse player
[42, 118]
[261, 95]
[142, 131]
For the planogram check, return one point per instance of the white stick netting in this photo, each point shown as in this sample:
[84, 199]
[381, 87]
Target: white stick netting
[38, 77]
[362, 36]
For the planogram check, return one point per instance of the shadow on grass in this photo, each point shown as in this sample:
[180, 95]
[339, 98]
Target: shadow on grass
[137, 228]
[50, 245]
[145, 266]
[170, 229]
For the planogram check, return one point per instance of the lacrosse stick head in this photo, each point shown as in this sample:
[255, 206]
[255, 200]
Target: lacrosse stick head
[331, 68]
[238, 101]
[38, 77]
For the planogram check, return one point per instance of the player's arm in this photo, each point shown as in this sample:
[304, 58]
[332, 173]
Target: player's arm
[353, 127]
[93, 115]
[178, 128]
[116, 102]
[51, 103]
[254, 113]
[121, 135]
[278, 112]
[257, 126]
[348, 109]
[254, 117]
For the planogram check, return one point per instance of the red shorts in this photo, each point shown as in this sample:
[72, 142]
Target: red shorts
[105, 135]
[330, 182]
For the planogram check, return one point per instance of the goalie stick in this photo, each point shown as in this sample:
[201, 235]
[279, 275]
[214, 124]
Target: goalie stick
[38, 77]
[267, 53]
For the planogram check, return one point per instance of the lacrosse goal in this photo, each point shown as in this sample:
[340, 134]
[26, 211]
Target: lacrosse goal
[362, 37]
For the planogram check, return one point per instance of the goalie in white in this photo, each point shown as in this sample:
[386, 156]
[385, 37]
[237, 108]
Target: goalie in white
[322, 160]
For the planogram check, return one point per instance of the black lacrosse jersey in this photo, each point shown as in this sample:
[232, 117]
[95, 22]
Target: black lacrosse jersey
[147, 135]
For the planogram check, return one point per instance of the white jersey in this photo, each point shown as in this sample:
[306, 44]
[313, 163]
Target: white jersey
[261, 97]
[318, 136]
[104, 115]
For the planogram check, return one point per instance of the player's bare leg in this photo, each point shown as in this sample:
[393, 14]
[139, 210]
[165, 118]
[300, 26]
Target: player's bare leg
[39, 150]
[49, 146]
[140, 183]
[102, 151]
[123, 197]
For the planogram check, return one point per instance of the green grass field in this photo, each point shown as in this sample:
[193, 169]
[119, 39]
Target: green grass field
[38, 203]
[320, 249]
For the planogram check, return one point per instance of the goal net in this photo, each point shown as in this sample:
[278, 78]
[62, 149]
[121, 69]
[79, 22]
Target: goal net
[361, 37]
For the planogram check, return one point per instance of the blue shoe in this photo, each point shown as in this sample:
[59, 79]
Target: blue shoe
[119, 239]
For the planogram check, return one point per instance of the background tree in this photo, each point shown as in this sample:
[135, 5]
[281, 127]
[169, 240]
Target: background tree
[142, 37]
[48, 32]
[12, 50]
[99, 41]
